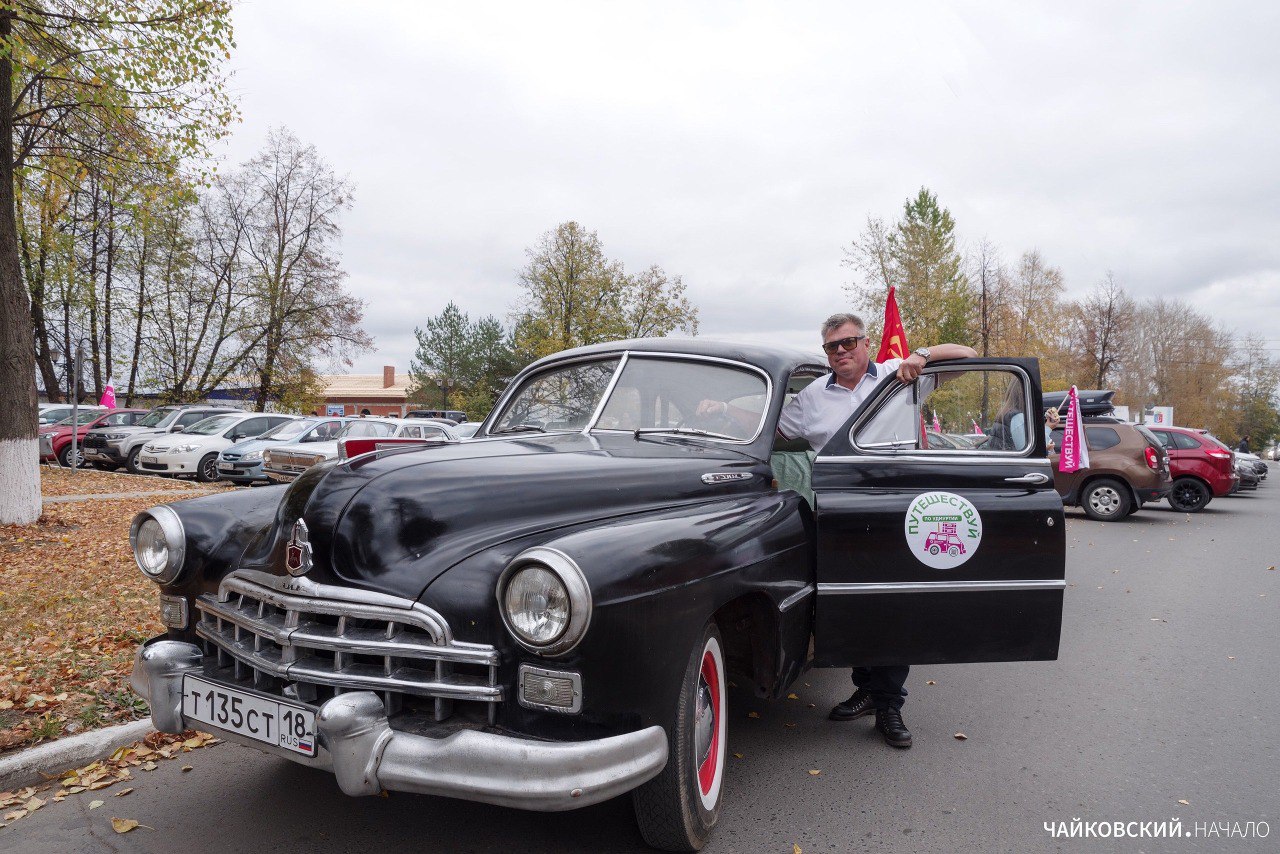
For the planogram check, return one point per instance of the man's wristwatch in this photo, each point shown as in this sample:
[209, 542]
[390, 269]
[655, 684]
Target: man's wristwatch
[923, 353]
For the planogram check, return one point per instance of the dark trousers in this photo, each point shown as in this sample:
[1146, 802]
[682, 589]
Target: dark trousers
[886, 684]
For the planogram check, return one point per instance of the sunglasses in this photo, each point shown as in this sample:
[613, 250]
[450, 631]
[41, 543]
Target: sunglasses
[846, 343]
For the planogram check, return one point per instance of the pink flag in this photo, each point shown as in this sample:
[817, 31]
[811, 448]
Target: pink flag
[937, 425]
[109, 394]
[978, 429]
[1075, 453]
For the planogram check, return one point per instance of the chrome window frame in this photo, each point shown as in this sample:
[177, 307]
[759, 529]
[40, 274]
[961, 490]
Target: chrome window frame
[623, 357]
[975, 456]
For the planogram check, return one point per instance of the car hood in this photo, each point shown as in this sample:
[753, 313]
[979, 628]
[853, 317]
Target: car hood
[246, 445]
[172, 441]
[395, 520]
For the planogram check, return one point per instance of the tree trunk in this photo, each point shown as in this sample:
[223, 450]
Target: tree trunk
[137, 329]
[19, 450]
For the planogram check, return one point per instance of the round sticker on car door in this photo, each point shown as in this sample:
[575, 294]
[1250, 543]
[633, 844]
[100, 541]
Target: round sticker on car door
[943, 529]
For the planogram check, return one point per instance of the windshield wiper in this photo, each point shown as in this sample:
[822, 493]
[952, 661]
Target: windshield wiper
[690, 431]
[519, 428]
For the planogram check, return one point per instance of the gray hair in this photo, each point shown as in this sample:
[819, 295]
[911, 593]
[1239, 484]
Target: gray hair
[835, 321]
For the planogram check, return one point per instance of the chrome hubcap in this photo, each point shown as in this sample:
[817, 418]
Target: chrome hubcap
[704, 723]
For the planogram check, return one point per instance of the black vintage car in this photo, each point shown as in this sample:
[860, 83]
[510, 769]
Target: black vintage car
[547, 616]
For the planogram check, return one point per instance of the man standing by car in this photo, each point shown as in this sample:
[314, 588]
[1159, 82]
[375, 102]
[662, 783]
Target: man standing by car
[815, 414]
[1244, 444]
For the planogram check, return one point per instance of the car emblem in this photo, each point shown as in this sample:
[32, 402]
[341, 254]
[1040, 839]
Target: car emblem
[725, 477]
[297, 555]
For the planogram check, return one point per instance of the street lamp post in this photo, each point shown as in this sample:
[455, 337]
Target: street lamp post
[445, 385]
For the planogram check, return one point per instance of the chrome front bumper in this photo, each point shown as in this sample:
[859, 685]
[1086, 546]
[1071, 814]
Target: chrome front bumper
[357, 744]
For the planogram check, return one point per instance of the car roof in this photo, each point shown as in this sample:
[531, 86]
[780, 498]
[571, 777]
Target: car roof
[773, 359]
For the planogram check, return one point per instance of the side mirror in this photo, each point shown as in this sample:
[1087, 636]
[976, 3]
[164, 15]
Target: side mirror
[176, 429]
[236, 437]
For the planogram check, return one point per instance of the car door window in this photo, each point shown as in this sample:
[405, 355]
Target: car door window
[996, 402]
[249, 427]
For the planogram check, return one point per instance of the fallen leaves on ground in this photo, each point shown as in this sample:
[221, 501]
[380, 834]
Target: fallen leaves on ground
[960, 737]
[814, 772]
[73, 610]
[56, 481]
[106, 772]
[123, 825]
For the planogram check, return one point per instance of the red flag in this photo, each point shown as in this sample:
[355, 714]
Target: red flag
[109, 394]
[978, 429]
[937, 425]
[893, 340]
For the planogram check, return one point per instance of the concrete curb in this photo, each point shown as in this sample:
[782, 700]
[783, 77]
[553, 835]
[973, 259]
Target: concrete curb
[37, 764]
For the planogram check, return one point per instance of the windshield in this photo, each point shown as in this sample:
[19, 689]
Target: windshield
[651, 393]
[84, 416]
[157, 418]
[368, 428]
[289, 429]
[211, 425]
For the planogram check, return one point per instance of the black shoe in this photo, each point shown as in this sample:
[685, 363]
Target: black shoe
[857, 706]
[895, 732]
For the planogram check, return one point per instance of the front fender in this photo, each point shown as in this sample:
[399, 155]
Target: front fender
[656, 579]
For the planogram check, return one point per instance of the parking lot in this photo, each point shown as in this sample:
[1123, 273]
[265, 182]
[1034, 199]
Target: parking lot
[1161, 705]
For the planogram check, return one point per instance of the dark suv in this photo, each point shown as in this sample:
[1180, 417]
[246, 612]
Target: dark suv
[1128, 466]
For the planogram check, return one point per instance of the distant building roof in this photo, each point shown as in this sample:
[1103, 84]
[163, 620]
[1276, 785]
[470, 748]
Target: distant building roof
[366, 386]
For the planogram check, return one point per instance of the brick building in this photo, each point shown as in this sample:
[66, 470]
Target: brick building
[353, 394]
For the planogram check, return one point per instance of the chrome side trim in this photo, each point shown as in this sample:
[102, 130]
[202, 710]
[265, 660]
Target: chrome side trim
[832, 589]
[974, 459]
[797, 597]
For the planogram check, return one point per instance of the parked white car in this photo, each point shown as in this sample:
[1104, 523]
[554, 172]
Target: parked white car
[195, 450]
[286, 462]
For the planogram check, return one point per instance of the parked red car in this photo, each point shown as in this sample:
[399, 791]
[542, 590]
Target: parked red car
[55, 439]
[1202, 467]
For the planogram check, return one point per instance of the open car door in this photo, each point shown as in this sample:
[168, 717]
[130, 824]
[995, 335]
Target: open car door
[940, 554]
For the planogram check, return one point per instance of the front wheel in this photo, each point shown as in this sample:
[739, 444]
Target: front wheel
[131, 462]
[207, 470]
[66, 459]
[677, 809]
[1189, 495]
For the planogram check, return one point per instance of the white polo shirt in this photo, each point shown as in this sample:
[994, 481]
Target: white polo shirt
[822, 407]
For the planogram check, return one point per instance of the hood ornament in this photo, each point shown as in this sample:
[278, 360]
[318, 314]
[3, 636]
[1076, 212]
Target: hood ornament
[297, 554]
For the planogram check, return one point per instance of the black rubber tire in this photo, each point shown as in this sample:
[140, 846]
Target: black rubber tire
[131, 463]
[105, 466]
[671, 809]
[1189, 495]
[207, 469]
[64, 456]
[1106, 500]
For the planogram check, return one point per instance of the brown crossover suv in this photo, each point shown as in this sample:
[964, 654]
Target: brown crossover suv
[1128, 466]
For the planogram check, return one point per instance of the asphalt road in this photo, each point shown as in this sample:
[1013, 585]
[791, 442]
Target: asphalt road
[1167, 689]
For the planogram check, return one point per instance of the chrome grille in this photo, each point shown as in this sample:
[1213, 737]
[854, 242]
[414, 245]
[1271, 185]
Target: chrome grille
[290, 462]
[309, 641]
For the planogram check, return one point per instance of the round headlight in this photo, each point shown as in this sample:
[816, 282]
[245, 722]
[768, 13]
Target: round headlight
[537, 605]
[545, 601]
[151, 548]
[159, 543]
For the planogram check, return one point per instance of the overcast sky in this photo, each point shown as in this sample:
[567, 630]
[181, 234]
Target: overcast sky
[742, 145]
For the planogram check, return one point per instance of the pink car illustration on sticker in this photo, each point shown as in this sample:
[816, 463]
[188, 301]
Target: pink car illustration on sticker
[944, 539]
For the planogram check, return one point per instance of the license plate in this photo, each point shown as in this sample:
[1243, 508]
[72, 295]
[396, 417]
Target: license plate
[226, 467]
[286, 725]
[149, 459]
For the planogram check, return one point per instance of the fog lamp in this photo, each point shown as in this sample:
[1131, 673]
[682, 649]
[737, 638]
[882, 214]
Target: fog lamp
[173, 611]
[552, 690]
